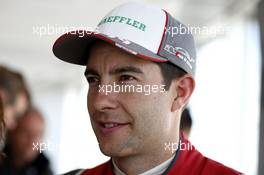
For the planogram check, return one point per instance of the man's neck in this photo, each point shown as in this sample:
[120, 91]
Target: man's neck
[138, 164]
[159, 169]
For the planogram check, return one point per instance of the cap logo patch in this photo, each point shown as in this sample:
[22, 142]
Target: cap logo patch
[124, 20]
[180, 53]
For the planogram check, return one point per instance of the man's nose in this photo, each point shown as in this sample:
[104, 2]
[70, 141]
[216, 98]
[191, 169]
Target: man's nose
[105, 99]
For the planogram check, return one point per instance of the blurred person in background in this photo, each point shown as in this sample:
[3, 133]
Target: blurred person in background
[24, 155]
[186, 122]
[15, 95]
[2, 129]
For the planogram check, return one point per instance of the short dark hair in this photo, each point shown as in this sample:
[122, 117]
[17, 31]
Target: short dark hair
[186, 120]
[169, 73]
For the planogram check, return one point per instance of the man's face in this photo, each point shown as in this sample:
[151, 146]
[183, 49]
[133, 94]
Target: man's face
[127, 123]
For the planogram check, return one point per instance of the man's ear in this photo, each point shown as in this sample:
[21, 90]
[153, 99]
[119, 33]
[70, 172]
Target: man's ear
[184, 87]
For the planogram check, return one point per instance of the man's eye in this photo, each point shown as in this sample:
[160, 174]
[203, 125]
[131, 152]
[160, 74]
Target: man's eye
[124, 78]
[92, 80]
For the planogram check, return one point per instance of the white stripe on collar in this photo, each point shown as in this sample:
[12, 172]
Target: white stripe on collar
[161, 168]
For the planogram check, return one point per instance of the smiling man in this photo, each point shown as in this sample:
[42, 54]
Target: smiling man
[139, 131]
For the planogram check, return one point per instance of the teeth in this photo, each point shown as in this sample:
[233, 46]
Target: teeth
[110, 125]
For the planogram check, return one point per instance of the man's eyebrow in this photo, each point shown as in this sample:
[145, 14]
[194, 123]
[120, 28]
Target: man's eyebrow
[117, 70]
[90, 71]
[125, 69]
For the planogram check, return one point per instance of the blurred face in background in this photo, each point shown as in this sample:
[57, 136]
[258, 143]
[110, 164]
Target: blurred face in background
[12, 112]
[29, 130]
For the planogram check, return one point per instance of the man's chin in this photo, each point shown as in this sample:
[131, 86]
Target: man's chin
[109, 151]
[114, 151]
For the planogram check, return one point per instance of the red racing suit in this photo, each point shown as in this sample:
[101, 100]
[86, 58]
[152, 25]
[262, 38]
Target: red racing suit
[187, 162]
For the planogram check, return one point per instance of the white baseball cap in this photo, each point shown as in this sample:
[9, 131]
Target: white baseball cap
[145, 31]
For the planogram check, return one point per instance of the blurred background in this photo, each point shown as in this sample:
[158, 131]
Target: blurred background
[225, 105]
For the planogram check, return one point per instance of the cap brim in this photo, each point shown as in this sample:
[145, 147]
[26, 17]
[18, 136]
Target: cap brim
[72, 48]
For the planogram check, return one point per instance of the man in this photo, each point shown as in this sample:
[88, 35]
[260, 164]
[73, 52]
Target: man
[15, 95]
[136, 50]
[23, 154]
[186, 122]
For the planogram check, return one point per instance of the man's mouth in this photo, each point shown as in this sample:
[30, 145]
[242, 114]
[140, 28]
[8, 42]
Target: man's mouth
[109, 128]
[110, 125]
